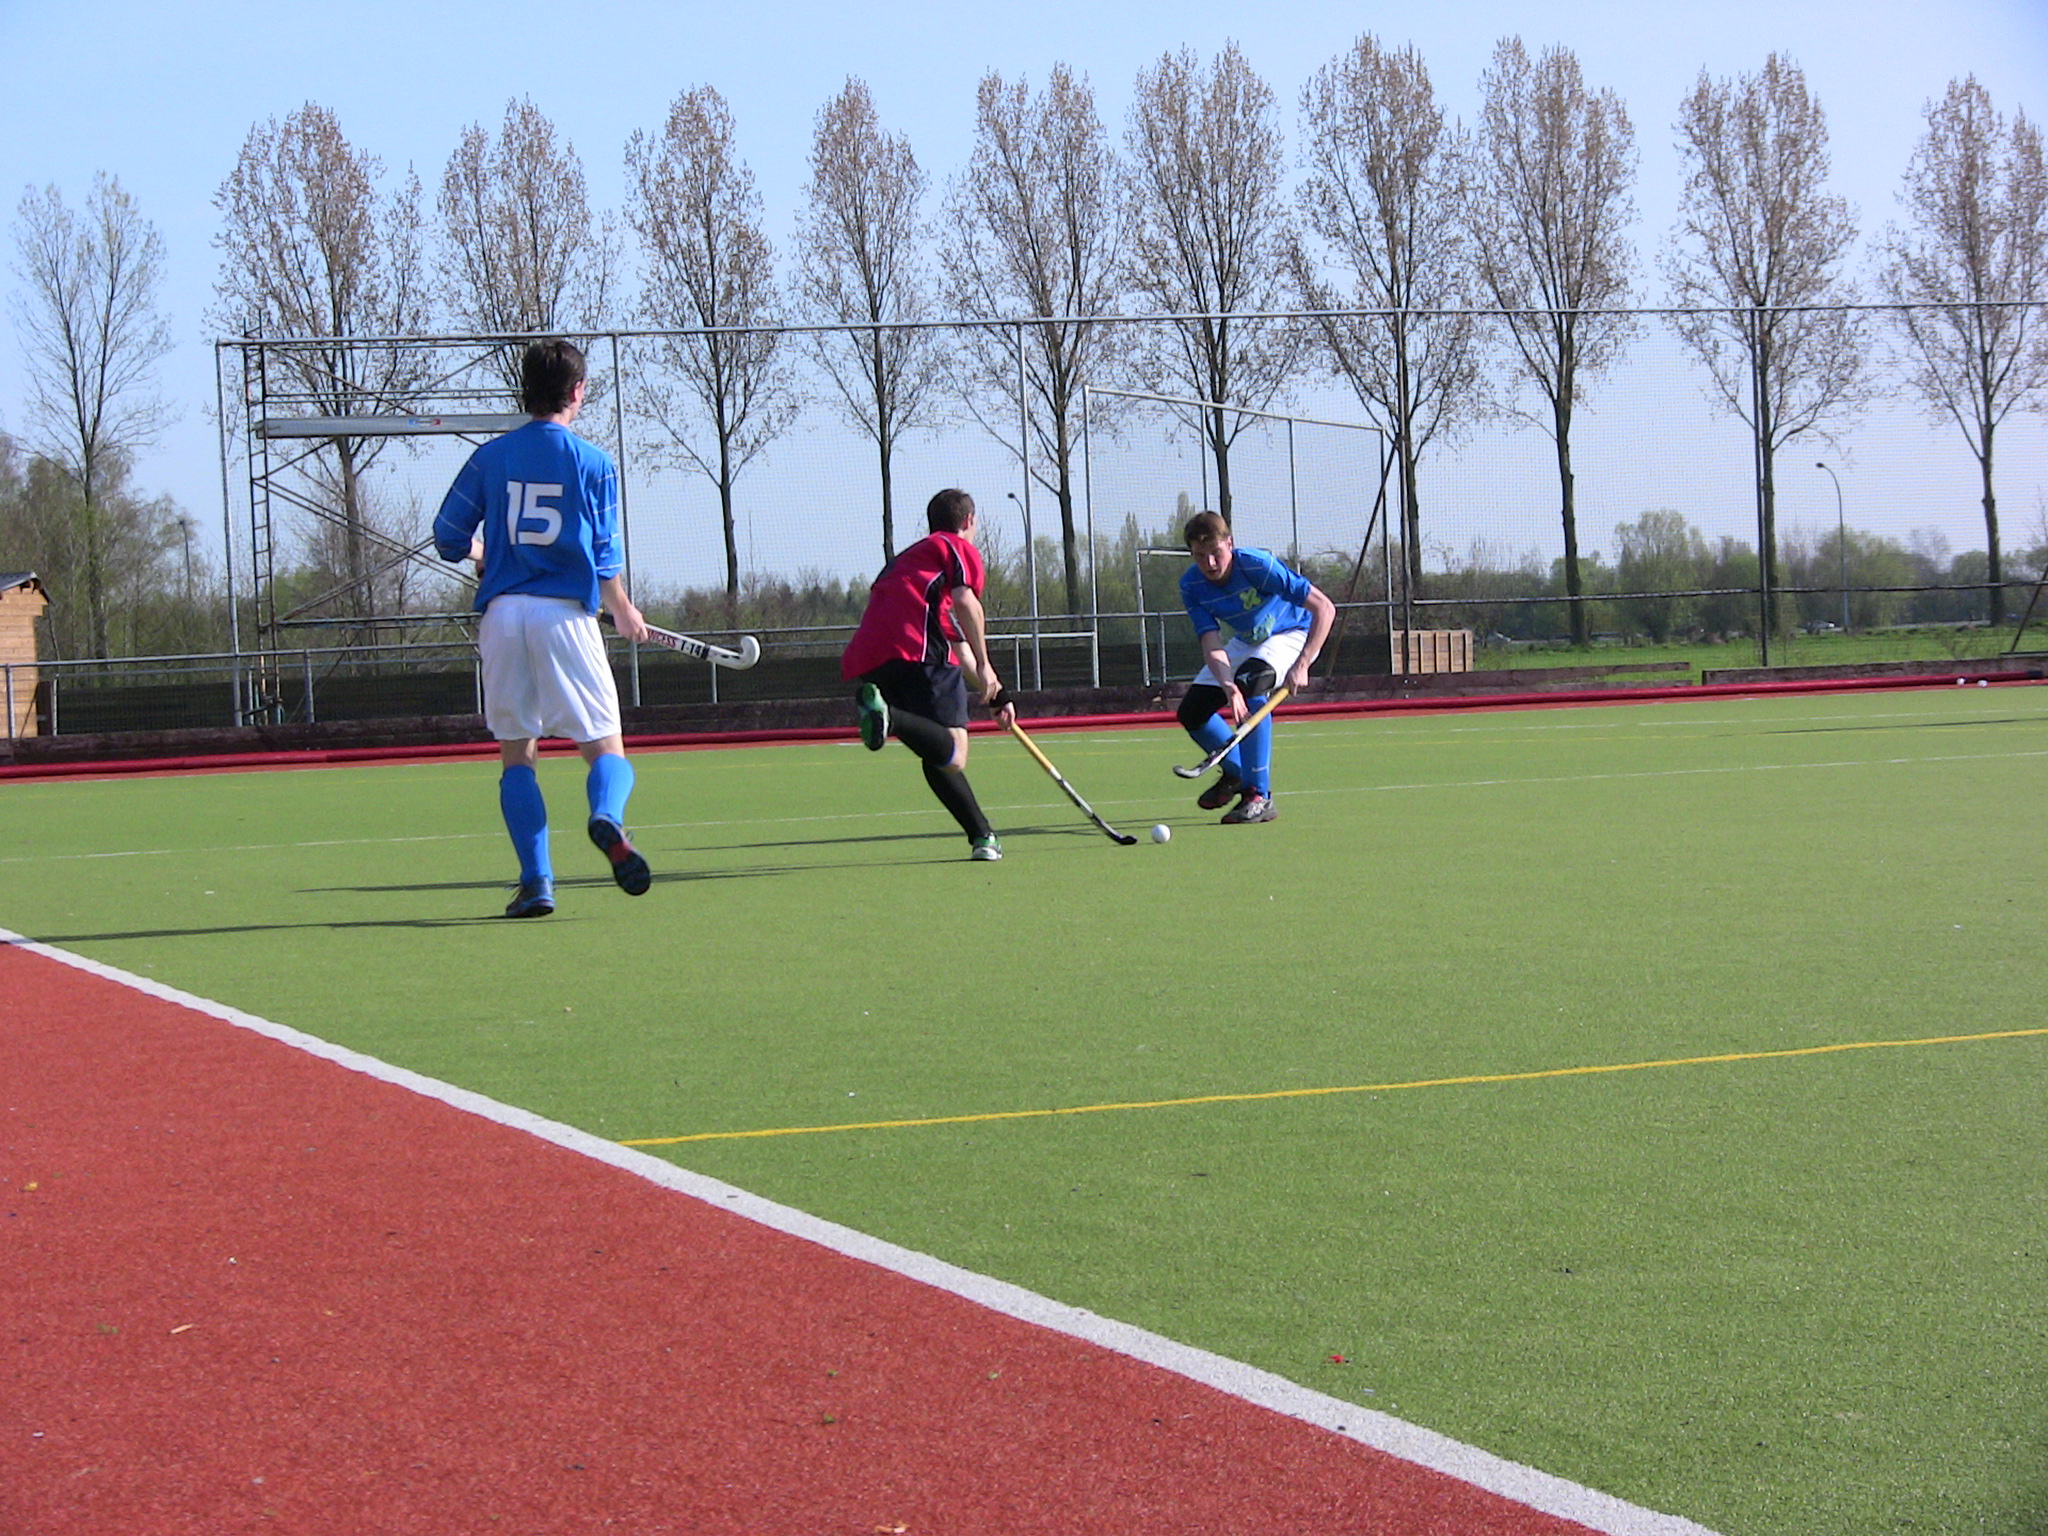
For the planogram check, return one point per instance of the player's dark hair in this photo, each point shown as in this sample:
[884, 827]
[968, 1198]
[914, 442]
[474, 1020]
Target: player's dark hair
[948, 511]
[548, 376]
[1205, 528]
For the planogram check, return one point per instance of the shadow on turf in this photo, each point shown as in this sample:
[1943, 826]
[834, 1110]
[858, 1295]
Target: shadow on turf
[908, 837]
[593, 883]
[667, 875]
[1893, 725]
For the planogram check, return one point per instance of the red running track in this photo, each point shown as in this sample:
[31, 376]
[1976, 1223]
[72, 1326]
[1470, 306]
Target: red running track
[248, 1288]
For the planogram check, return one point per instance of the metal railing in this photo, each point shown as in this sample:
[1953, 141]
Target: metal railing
[308, 685]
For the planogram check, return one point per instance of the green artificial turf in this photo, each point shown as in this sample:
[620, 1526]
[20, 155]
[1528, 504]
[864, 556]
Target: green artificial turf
[1789, 1294]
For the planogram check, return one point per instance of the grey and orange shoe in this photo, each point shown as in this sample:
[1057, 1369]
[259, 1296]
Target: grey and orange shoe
[1253, 806]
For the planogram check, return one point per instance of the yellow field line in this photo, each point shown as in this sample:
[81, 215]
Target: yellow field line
[1309, 1093]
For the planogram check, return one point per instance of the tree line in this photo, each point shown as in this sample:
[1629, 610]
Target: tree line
[1442, 272]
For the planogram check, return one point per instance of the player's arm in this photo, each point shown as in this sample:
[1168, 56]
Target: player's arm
[456, 525]
[626, 619]
[981, 672]
[1322, 617]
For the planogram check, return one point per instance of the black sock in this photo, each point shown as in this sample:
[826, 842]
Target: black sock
[927, 738]
[957, 796]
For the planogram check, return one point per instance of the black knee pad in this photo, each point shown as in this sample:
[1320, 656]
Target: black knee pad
[1196, 705]
[1255, 677]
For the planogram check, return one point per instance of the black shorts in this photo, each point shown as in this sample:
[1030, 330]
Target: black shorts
[935, 689]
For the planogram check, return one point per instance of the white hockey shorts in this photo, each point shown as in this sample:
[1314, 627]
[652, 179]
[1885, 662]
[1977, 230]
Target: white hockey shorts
[544, 670]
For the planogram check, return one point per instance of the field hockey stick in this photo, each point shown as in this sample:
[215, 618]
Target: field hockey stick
[1124, 839]
[703, 650]
[1251, 722]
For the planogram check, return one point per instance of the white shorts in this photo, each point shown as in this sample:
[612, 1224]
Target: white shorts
[1280, 652]
[544, 669]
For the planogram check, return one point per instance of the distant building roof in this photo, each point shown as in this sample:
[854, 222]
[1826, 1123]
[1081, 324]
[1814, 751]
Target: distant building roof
[9, 581]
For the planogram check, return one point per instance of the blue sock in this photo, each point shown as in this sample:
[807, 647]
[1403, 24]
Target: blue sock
[608, 784]
[1256, 751]
[1211, 734]
[526, 818]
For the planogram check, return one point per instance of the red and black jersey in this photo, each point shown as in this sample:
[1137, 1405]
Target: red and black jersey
[910, 607]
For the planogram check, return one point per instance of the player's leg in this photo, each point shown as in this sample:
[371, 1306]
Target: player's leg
[1200, 715]
[927, 712]
[513, 718]
[948, 782]
[1257, 675]
[608, 784]
[1256, 680]
[581, 701]
[526, 822]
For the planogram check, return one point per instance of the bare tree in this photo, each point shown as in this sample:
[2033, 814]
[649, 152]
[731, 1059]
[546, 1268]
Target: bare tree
[1973, 263]
[313, 248]
[1034, 232]
[91, 336]
[1384, 193]
[522, 252]
[1207, 228]
[160, 595]
[1550, 214]
[710, 271]
[860, 265]
[1755, 260]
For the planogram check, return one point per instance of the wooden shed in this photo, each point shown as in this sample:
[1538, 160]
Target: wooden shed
[1416, 652]
[21, 603]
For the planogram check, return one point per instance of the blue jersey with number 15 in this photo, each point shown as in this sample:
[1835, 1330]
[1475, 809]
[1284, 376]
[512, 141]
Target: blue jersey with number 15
[548, 503]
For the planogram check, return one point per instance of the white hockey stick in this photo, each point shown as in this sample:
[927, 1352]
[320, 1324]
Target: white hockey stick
[703, 650]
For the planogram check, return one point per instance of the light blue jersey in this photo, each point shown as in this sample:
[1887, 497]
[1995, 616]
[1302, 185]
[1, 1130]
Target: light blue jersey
[548, 503]
[1260, 598]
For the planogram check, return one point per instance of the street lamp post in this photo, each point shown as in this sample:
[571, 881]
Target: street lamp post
[1031, 580]
[1841, 547]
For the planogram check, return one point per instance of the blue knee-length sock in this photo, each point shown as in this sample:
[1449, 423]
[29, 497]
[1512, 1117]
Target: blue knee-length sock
[1211, 734]
[1255, 753]
[526, 819]
[609, 784]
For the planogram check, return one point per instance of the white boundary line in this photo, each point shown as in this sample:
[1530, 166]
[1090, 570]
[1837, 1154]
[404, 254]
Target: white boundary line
[1540, 1491]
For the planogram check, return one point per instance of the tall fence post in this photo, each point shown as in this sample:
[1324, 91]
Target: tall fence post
[1088, 496]
[625, 522]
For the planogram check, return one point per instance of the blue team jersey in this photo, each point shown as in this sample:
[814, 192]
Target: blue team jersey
[1260, 598]
[548, 503]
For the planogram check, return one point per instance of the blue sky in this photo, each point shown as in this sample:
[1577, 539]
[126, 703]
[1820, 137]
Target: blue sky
[163, 98]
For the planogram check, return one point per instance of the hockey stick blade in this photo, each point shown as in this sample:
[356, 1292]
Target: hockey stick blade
[1121, 839]
[1251, 722]
[703, 650]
